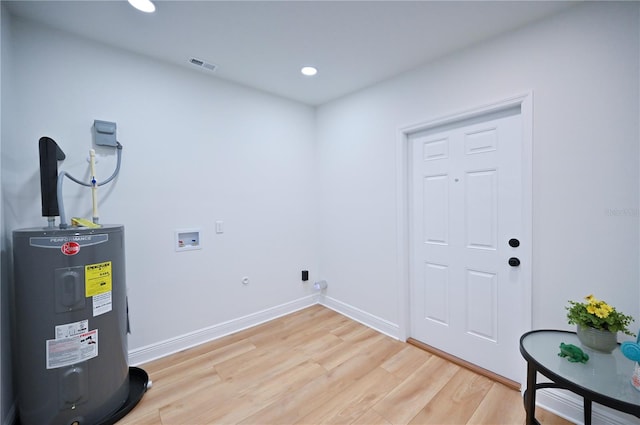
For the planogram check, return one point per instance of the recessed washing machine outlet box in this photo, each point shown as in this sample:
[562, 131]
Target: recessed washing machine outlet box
[188, 239]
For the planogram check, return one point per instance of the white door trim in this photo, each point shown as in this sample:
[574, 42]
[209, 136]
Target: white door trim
[525, 102]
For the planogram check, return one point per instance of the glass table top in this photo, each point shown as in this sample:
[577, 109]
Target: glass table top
[605, 374]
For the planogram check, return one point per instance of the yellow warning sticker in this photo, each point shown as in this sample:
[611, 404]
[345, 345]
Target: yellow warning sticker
[97, 279]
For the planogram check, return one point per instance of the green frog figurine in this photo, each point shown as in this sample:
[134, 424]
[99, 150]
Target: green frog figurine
[572, 353]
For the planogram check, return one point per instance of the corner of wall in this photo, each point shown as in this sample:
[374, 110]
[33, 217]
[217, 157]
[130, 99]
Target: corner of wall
[7, 398]
[638, 121]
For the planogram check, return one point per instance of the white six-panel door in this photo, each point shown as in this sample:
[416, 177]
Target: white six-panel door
[465, 206]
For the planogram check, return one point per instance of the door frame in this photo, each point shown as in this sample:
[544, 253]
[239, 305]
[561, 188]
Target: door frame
[525, 102]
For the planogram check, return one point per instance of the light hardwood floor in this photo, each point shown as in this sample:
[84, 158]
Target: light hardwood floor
[317, 366]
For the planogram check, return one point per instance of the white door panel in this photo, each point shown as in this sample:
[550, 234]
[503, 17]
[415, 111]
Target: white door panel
[465, 206]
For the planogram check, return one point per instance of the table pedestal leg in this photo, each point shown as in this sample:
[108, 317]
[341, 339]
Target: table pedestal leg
[530, 395]
[587, 412]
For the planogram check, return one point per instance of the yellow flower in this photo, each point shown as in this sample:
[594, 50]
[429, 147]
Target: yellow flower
[598, 308]
[601, 313]
[606, 308]
[593, 300]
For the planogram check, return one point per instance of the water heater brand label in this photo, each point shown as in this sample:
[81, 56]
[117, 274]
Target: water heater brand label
[70, 248]
[75, 240]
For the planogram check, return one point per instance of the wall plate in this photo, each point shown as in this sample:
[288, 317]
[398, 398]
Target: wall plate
[188, 239]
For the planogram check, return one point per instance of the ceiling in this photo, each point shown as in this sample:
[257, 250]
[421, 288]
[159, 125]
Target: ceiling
[263, 44]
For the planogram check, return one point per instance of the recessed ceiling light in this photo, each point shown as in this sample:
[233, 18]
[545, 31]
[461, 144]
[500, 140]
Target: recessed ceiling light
[309, 71]
[143, 5]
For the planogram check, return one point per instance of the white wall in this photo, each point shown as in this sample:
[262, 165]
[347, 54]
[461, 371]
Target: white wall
[582, 67]
[196, 150]
[6, 390]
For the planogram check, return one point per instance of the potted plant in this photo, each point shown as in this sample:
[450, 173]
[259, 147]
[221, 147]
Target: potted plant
[598, 323]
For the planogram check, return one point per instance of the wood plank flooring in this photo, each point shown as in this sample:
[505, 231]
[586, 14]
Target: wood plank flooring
[316, 366]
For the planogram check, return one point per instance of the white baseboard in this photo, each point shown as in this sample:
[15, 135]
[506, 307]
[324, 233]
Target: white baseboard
[569, 406]
[374, 322]
[173, 345]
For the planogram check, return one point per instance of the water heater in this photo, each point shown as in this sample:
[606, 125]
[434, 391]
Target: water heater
[71, 323]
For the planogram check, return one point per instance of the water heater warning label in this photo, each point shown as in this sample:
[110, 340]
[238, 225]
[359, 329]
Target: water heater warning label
[63, 352]
[97, 278]
[72, 329]
[102, 304]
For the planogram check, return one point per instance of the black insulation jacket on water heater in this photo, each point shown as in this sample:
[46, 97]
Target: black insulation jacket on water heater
[70, 324]
[50, 154]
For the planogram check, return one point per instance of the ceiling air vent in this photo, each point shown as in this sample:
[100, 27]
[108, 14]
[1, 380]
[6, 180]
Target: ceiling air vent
[202, 64]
